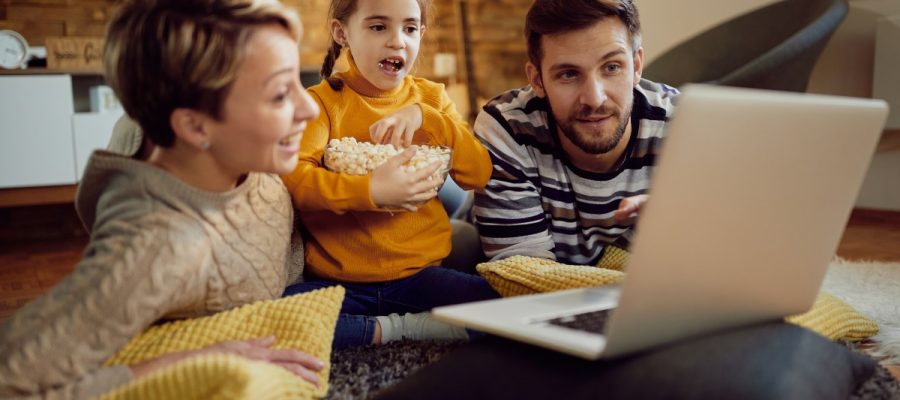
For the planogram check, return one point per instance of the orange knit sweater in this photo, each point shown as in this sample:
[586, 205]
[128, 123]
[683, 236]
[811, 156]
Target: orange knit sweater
[351, 239]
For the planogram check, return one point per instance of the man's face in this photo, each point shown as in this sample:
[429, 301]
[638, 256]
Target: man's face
[588, 76]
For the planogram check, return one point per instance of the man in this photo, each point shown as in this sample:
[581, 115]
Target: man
[570, 152]
[574, 150]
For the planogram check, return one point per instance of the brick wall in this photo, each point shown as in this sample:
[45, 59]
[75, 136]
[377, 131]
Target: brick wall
[497, 45]
[38, 19]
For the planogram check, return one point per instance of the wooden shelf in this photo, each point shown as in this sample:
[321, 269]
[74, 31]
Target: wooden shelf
[47, 71]
[30, 196]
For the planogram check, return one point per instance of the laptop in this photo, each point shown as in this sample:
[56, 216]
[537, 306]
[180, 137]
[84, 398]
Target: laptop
[747, 205]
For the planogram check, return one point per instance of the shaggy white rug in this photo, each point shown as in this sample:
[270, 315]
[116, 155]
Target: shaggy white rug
[872, 288]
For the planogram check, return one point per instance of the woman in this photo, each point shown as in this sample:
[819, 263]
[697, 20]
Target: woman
[188, 218]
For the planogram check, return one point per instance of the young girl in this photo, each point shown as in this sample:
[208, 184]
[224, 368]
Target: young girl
[387, 261]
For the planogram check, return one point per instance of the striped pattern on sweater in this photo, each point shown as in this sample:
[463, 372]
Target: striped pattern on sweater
[537, 203]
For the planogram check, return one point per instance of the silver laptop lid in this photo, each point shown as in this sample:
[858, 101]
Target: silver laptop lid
[748, 202]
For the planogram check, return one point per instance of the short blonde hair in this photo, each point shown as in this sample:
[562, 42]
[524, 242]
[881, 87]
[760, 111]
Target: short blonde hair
[166, 54]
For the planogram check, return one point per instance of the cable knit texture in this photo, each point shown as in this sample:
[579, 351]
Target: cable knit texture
[159, 249]
[351, 238]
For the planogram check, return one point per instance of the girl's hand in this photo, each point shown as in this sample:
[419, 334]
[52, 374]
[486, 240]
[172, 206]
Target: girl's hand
[301, 364]
[397, 128]
[391, 187]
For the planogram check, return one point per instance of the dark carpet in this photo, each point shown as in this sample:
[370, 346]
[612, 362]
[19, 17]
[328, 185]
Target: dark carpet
[360, 372]
[882, 385]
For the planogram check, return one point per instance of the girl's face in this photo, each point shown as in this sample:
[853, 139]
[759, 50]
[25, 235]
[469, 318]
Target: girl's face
[384, 38]
[266, 109]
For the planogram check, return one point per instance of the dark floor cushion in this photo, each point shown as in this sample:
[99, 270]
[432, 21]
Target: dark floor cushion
[768, 361]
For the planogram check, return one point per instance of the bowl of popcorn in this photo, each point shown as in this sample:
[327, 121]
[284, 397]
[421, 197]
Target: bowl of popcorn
[349, 156]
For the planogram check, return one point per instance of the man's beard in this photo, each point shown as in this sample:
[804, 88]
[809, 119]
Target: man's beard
[595, 142]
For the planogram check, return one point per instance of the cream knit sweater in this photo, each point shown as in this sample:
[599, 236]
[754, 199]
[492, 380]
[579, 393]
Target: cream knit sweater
[159, 249]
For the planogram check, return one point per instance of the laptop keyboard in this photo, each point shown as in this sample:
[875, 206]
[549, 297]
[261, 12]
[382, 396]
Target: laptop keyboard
[592, 321]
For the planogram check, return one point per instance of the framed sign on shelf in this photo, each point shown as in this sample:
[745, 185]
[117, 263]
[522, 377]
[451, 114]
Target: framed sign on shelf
[75, 53]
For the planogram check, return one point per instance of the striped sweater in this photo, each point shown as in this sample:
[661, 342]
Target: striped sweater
[539, 204]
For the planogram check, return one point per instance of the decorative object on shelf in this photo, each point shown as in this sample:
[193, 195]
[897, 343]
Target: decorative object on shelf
[13, 50]
[104, 100]
[75, 53]
[37, 57]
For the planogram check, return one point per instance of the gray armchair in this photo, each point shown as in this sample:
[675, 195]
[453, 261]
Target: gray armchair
[774, 47]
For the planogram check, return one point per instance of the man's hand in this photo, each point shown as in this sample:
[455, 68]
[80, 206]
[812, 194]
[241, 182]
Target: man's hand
[393, 188]
[301, 364]
[629, 207]
[397, 128]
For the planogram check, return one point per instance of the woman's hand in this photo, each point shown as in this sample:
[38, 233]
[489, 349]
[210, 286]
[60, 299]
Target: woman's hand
[301, 364]
[397, 128]
[629, 207]
[393, 188]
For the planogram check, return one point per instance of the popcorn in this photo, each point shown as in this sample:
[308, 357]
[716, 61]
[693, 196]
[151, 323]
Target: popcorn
[348, 156]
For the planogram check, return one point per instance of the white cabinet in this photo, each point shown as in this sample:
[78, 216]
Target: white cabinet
[36, 131]
[91, 131]
[43, 141]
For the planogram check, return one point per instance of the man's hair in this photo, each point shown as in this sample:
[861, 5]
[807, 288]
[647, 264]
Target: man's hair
[166, 54]
[552, 17]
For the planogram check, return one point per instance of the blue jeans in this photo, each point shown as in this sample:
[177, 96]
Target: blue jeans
[431, 287]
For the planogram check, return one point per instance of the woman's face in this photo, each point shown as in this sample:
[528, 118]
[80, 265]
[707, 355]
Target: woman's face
[265, 110]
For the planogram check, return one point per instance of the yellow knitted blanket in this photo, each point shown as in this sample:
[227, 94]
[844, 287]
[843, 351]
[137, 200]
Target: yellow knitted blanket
[304, 322]
[519, 275]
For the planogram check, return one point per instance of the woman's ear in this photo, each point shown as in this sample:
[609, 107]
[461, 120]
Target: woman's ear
[189, 127]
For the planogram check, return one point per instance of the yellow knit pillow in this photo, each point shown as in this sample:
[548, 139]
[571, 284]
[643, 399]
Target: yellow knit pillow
[304, 322]
[613, 258]
[836, 320]
[216, 376]
[520, 275]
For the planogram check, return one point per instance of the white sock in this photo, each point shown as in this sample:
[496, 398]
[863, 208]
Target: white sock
[417, 327]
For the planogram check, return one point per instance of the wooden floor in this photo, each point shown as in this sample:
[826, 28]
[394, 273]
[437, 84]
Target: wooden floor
[871, 235]
[41, 245]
